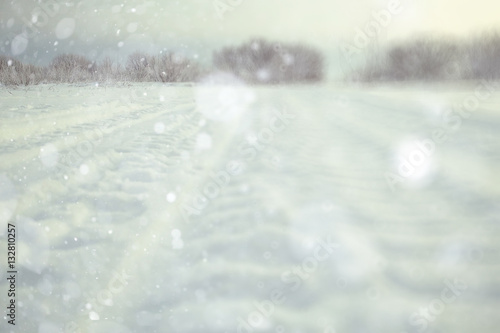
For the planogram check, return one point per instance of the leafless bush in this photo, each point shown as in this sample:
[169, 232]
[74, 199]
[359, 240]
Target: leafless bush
[435, 59]
[483, 57]
[14, 72]
[424, 59]
[137, 66]
[175, 68]
[72, 68]
[260, 61]
[168, 67]
[108, 71]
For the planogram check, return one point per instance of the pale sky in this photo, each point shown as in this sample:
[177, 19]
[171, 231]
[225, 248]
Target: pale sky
[119, 27]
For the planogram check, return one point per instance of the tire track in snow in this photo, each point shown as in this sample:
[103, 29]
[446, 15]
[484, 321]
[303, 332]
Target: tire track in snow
[321, 176]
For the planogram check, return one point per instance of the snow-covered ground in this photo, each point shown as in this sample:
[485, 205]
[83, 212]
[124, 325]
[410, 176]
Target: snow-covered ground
[228, 208]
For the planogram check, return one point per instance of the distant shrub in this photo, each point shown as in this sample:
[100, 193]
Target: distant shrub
[434, 59]
[14, 72]
[260, 61]
[108, 71]
[423, 59]
[483, 57]
[72, 68]
[137, 67]
[168, 67]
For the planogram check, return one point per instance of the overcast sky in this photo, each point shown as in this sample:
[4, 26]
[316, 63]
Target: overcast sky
[195, 27]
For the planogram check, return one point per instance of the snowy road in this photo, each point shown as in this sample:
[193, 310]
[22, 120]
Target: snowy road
[138, 210]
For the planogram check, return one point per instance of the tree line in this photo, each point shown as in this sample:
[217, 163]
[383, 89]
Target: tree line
[257, 61]
[264, 62]
[434, 59]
